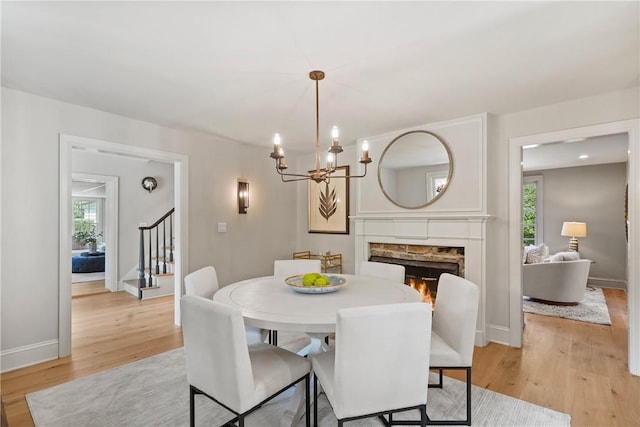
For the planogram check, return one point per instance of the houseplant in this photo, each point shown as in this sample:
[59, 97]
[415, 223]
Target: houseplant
[86, 235]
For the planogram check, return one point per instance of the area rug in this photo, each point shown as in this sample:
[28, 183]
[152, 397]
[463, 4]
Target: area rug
[154, 392]
[592, 309]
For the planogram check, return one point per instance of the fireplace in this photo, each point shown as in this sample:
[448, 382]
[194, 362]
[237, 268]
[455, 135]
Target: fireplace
[423, 264]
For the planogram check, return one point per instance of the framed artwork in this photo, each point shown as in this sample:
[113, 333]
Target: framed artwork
[329, 204]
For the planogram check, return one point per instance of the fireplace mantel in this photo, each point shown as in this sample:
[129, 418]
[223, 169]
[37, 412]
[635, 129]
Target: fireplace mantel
[468, 232]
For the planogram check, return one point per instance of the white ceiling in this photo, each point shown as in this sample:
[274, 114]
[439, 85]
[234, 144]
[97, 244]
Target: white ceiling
[564, 154]
[88, 189]
[239, 70]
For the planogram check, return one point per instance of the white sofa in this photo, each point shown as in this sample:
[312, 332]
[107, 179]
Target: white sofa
[561, 282]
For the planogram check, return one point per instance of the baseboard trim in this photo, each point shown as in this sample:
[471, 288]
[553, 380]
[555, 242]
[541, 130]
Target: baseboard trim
[20, 357]
[500, 334]
[600, 282]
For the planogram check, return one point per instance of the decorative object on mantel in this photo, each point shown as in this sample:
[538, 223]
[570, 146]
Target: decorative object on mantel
[318, 174]
[149, 183]
[243, 197]
[573, 230]
[329, 204]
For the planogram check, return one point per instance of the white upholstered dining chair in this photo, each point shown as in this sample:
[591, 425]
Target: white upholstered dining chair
[394, 374]
[453, 333]
[290, 267]
[223, 367]
[383, 270]
[204, 283]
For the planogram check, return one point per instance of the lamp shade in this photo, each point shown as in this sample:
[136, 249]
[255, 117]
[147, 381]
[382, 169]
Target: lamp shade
[574, 229]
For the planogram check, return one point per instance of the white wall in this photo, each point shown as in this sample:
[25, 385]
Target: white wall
[595, 195]
[136, 205]
[30, 180]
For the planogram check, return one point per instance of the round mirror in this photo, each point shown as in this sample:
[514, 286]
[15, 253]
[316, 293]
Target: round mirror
[415, 169]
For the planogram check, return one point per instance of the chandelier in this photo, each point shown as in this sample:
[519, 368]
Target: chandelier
[319, 174]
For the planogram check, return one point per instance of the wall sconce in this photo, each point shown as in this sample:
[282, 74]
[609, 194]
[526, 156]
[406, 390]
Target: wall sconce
[149, 183]
[573, 230]
[243, 197]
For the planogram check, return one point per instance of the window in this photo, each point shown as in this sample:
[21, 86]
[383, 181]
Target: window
[532, 210]
[87, 213]
[436, 181]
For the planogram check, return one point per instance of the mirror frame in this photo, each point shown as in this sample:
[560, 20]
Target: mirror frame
[444, 189]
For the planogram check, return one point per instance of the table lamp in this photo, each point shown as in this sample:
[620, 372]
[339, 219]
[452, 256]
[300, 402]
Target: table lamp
[573, 230]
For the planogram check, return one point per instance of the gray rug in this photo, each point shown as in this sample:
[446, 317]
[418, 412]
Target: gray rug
[592, 309]
[154, 392]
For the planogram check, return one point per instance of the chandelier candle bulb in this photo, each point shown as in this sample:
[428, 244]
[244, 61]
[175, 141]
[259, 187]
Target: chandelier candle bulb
[335, 146]
[329, 161]
[276, 143]
[365, 153]
[277, 149]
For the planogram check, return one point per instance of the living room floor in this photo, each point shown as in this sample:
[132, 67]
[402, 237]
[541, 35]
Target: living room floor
[570, 366]
[83, 289]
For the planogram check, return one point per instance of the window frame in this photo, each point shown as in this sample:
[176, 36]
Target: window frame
[538, 180]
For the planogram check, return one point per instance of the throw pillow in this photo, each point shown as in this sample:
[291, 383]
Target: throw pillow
[565, 256]
[537, 254]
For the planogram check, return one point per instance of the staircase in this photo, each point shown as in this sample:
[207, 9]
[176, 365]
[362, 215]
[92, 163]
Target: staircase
[155, 270]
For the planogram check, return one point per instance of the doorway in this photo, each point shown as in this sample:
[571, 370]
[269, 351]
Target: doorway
[108, 217]
[180, 168]
[631, 129]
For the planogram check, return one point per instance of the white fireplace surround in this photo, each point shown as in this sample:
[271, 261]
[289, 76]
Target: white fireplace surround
[466, 231]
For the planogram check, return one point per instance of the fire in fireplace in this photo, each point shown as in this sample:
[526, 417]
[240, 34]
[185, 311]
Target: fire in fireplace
[423, 276]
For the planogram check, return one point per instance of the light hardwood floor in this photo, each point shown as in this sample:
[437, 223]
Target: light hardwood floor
[569, 366]
[83, 289]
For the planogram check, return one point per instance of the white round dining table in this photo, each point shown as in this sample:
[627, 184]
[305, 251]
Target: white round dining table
[269, 303]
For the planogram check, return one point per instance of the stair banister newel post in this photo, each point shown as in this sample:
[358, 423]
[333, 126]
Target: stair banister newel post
[150, 261]
[171, 238]
[164, 247]
[157, 249]
[141, 280]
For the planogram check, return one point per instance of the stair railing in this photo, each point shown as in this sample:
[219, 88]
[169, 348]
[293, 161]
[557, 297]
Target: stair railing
[151, 269]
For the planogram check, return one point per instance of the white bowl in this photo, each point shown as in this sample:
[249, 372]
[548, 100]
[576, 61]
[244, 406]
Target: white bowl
[295, 282]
